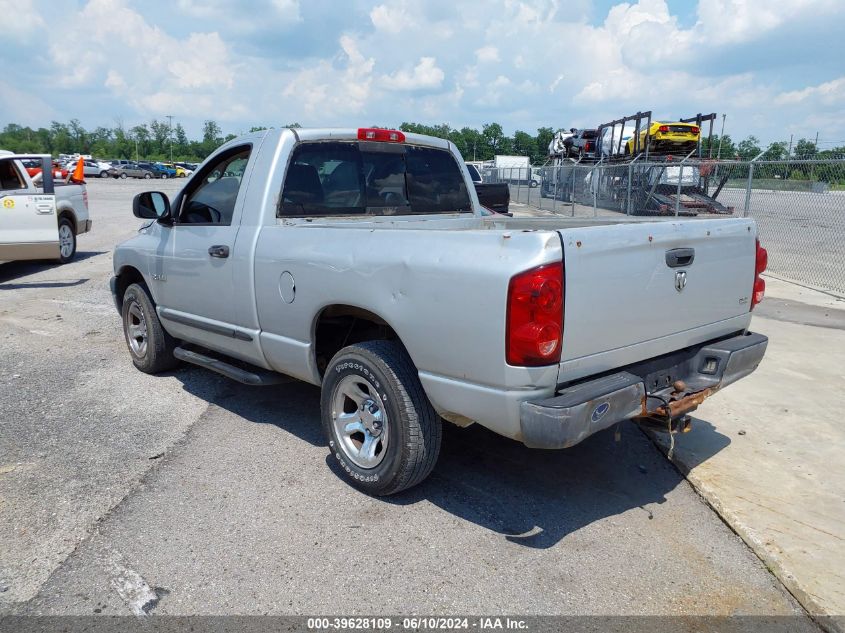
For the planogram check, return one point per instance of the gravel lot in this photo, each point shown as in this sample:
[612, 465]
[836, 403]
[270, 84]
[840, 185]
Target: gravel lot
[194, 495]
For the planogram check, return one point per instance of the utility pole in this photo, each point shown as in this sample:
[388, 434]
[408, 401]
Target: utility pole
[721, 136]
[816, 145]
[170, 135]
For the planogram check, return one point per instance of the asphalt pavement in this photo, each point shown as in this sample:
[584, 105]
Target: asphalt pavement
[122, 493]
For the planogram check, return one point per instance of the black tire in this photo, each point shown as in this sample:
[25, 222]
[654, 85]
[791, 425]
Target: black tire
[412, 429]
[157, 353]
[104, 174]
[164, 176]
[67, 240]
[148, 175]
[123, 176]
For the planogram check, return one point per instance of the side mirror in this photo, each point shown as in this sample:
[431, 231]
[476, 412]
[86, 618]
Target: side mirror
[151, 205]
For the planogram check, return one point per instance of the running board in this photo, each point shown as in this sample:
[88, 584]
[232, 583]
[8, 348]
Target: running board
[256, 377]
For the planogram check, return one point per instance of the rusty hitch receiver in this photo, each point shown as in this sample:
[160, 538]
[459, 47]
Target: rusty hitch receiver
[672, 416]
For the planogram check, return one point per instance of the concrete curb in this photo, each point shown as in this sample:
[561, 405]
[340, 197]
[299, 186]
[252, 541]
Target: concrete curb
[832, 623]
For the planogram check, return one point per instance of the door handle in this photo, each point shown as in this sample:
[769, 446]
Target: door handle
[218, 250]
[678, 257]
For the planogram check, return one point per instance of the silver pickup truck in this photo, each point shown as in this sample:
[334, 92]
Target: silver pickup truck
[361, 261]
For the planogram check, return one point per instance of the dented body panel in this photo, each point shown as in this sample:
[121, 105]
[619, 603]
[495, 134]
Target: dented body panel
[440, 283]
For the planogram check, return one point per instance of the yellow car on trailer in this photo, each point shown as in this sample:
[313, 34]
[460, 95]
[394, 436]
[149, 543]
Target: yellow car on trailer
[666, 137]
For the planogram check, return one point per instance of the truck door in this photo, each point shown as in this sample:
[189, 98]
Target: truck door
[197, 280]
[28, 224]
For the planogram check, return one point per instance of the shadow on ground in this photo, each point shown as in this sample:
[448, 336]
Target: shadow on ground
[16, 270]
[531, 497]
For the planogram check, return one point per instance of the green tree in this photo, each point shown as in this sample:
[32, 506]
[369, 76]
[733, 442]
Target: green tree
[776, 151]
[494, 139]
[748, 148]
[544, 137]
[805, 149]
[524, 144]
[160, 132]
[141, 136]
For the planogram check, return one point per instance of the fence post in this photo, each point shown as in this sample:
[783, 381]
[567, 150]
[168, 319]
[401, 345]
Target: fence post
[748, 185]
[630, 177]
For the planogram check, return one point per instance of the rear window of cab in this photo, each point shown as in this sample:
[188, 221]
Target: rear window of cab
[372, 178]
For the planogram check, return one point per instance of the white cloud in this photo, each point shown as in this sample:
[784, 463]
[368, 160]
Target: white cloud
[487, 54]
[157, 73]
[425, 76]
[391, 19]
[828, 93]
[330, 92]
[21, 18]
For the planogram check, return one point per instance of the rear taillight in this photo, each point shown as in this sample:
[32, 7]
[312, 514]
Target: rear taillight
[663, 128]
[533, 335]
[694, 130]
[378, 134]
[588, 146]
[761, 261]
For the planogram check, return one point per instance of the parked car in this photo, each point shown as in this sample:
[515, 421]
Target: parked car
[581, 145]
[181, 172]
[158, 170]
[40, 217]
[33, 168]
[118, 172]
[667, 137]
[359, 260]
[495, 196]
[94, 168]
[136, 170]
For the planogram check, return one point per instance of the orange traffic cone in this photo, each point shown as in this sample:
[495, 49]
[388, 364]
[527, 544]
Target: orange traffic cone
[78, 175]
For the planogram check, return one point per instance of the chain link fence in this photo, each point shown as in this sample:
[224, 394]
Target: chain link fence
[799, 205]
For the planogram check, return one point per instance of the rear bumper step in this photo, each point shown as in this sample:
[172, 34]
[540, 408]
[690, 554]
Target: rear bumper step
[683, 380]
[254, 376]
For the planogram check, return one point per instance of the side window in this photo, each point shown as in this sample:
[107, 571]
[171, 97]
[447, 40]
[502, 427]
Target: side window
[212, 199]
[10, 178]
[323, 179]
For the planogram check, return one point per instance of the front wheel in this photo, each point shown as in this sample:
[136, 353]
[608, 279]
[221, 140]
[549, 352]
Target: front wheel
[148, 175]
[123, 176]
[67, 240]
[150, 347]
[104, 174]
[164, 176]
[380, 426]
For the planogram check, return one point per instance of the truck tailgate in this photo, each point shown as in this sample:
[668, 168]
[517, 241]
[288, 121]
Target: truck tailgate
[630, 284]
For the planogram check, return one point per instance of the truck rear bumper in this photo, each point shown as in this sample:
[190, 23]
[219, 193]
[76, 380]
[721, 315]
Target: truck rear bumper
[682, 380]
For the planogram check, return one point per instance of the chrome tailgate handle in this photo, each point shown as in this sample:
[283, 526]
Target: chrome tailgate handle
[678, 257]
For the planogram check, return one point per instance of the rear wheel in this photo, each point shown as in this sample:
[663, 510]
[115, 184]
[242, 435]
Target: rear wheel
[104, 174]
[148, 175]
[164, 176]
[67, 240]
[150, 347]
[123, 175]
[380, 426]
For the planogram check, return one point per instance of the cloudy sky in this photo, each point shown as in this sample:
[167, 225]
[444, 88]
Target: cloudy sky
[775, 67]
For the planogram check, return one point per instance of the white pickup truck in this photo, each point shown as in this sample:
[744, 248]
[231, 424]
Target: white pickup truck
[39, 219]
[361, 261]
